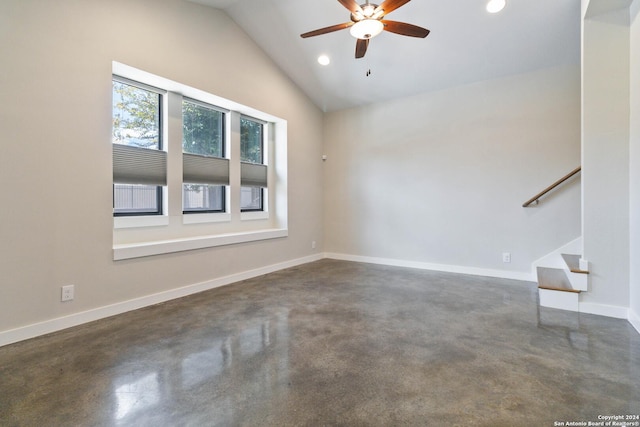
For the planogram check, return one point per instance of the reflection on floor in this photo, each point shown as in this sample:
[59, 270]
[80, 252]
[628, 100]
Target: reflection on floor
[330, 343]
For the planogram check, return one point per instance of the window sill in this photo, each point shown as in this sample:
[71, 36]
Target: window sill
[255, 215]
[139, 250]
[202, 218]
[140, 221]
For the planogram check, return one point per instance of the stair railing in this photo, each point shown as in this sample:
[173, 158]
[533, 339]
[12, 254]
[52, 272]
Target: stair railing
[536, 199]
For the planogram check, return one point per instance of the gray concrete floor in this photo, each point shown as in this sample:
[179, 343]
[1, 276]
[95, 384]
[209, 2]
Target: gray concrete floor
[331, 343]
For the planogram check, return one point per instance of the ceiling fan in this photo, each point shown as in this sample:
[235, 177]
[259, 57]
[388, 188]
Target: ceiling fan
[367, 22]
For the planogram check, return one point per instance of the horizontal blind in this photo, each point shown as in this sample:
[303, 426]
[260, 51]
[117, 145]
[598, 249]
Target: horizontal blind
[204, 170]
[253, 175]
[135, 165]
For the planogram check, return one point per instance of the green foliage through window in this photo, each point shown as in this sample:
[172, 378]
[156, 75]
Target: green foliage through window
[202, 134]
[202, 130]
[251, 141]
[136, 116]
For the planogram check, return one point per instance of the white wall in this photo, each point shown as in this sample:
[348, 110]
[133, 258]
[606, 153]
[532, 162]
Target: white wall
[634, 166]
[55, 118]
[605, 152]
[440, 177]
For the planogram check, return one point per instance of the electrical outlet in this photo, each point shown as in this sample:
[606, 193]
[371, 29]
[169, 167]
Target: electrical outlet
[506, 257]
[313, 244]
[67, 293]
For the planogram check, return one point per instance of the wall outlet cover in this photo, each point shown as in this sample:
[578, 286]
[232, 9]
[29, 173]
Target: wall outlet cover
[67, 293]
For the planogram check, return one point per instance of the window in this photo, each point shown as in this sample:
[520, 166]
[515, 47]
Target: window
[254, 172]
[139, 164]
[205, 171]
[190, 168]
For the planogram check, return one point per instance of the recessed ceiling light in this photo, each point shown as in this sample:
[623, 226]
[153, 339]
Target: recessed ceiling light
[324, 60]
[495, 6]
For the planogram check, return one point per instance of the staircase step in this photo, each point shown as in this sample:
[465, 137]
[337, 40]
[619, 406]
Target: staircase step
[573, 262]
[554, 279]
[558, 299]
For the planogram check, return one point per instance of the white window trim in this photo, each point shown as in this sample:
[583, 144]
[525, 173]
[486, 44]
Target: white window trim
[204, 218]
[155, 234]
[254, 215]
[138, 250]
[141, 221]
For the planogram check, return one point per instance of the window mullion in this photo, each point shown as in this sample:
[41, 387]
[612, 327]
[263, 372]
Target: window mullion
[234, 164]
[269, 160]
[173, 144]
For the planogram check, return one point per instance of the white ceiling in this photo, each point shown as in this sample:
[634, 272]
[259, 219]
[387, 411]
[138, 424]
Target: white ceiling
[466, 44]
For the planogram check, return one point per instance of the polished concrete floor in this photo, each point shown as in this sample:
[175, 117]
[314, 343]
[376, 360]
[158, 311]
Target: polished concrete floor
[331, 343]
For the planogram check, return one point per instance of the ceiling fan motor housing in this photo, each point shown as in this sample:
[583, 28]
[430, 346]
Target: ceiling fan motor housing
[366, 11]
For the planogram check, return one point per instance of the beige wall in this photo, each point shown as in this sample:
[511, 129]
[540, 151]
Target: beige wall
[605, 152]
[440, 177]
[55, 117]
[634, 181]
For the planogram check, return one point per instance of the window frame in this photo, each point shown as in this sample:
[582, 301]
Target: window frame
[197, 211]
[263, 144]
[159, 203]
[223, 155]
[144, 236]
[160, 190]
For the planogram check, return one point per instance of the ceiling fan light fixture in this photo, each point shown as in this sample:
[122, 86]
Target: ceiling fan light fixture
[368, 10]
[366, 29]
[495, 6]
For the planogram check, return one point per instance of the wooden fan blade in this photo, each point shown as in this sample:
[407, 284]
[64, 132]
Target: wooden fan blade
[390, 5]
[351, 5]
[327, 30]
[361, 47]
[405, 29]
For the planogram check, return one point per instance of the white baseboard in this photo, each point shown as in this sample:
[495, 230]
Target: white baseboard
[502, 274]
[614, 311]
[634, 319]
[60, 323]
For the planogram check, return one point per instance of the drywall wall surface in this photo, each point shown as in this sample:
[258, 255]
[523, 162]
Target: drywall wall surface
[605, 153]
[56, 225]
[441, 177]
[595, 8]
[634, 164]
[584, 5]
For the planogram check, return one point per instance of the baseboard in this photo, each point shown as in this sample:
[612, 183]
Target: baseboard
[604, 310]
[502, 274]
[60, 323]
[634, 319]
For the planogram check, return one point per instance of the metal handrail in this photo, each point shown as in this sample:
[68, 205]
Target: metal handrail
[551, 187]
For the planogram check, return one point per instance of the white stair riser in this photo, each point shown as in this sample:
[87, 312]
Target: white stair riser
[559, 299]
[579, 281]
[584, 264]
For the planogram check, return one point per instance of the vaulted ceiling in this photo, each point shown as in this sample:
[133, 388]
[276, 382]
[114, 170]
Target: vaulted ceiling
[466, 44]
